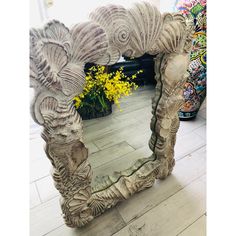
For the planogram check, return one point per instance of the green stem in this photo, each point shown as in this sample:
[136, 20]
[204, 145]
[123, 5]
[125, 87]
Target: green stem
[88, 104]
[102, 102]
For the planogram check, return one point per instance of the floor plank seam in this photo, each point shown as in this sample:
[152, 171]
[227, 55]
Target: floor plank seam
[199, 135]
[96, 147]
[129, 112]
[85, 226]
[191, 224]
[42, 177]
[139, 146]
[192, 151]
[135, 218]
[36, 186]
[192, 130]
[118, 157]
[54, 230]
[201, 110]
[110, 133]
[125, 224]
[46, 202]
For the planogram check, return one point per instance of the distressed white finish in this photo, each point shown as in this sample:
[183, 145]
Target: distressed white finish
[189, 166]
[57, 59]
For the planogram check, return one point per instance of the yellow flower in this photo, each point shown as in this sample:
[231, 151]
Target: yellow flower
[77, 102]
[114, 85]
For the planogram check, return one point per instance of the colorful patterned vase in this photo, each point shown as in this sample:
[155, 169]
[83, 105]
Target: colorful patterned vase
[195, 87]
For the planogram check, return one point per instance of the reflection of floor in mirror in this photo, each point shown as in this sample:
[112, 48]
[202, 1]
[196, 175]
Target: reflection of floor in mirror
[172, 207]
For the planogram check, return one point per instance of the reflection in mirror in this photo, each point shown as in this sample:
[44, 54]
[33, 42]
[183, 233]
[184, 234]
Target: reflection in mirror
[117, 140]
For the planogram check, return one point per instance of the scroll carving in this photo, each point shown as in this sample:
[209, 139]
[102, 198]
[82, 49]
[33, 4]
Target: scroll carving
[57, 58]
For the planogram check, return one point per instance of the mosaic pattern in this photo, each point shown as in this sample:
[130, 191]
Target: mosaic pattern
[195, 87]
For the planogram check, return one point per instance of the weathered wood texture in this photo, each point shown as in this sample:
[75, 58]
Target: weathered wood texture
[57, 59]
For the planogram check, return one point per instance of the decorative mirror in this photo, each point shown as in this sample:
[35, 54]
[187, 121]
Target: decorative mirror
[57, 59]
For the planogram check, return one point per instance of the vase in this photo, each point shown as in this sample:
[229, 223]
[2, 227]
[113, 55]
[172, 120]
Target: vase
[95, 111]
[195, 88]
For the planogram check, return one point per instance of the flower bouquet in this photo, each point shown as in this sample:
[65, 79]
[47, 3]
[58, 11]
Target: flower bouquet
[101, 90]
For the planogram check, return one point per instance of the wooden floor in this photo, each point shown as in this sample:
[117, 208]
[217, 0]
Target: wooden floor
[175, 206]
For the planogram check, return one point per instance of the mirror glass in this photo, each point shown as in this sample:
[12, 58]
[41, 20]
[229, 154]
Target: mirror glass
[117, 140]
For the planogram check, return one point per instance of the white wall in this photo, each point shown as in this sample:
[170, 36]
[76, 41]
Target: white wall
[35, 19]
[167, 5]
[72, 11]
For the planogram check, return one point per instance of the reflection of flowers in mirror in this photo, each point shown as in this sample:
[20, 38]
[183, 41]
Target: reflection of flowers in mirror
[101, 85]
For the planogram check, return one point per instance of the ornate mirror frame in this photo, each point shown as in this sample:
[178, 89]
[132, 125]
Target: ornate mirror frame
[57, 59]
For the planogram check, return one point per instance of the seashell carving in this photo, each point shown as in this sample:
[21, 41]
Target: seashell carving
[33, 73]
[170, 37]
[46, 60]
[114, 20]
[72, 79]
[111, 56]
[37, 34]
[179, 17]
[59, 33]
[167, 17]
[55, 55]
[97, 205]
[48, 109]
[53, 32]
[89, 42]
[50, 64]
[146, 23]
[79, 200]
[35, 57]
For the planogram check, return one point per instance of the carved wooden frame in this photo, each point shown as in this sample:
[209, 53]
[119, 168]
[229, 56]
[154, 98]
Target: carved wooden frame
[57, 59]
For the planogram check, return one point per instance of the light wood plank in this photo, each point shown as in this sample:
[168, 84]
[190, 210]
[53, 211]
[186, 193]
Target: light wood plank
[185, 144]
[190, 125]
[34, 196]
[119, 136]
[37, 149]
[198, 228]
[142, 115]
[188, 143]
[109, 154]
[46, 188]
[39, 168]
[105, 128]
[136, 129]
[92, 148]
[87, 123]
[171, 216]
[201, 131]
[141, 139]
[122, 163]
[105, 225]
[132, 109]
[45, 217]
[185, 171]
